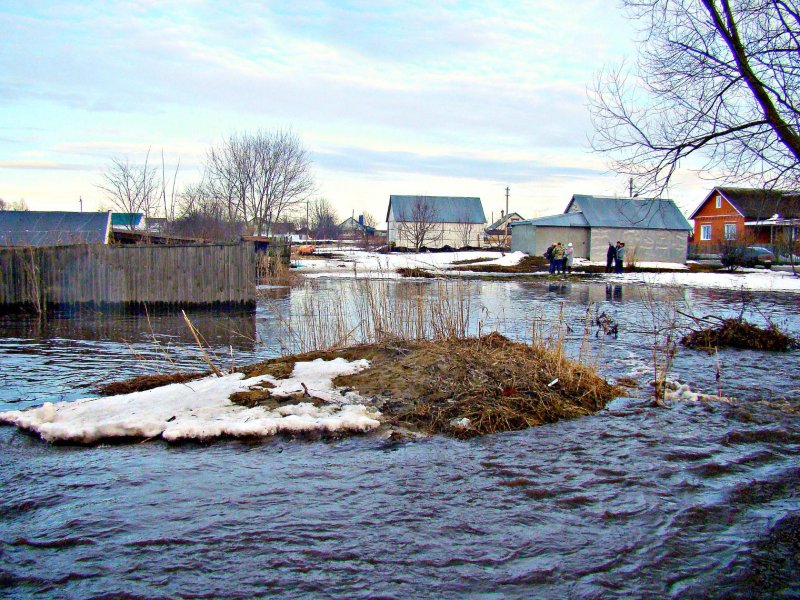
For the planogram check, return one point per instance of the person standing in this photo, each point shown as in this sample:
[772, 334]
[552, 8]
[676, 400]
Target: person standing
[549, 256]
[569, 253]
[620, 262]
[558, 256]
[611, 257]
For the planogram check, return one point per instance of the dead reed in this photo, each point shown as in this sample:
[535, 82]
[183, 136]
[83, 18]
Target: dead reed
[365, 311]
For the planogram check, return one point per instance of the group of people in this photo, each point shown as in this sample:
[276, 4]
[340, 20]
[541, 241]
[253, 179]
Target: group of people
[560, 257]
[615, 257]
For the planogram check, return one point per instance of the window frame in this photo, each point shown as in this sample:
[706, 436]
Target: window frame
[727, 229]
[705, 233]
[719, 202]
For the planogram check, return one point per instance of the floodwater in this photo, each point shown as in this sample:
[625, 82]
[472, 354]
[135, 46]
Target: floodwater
[691, 500]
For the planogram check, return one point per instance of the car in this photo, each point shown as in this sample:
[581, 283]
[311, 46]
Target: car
[757, 256]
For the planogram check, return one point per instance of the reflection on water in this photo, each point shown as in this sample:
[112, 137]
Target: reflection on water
[693, 500]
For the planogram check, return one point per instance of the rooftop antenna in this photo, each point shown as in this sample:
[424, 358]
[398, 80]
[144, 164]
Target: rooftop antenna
[80, 199]
[507, 190]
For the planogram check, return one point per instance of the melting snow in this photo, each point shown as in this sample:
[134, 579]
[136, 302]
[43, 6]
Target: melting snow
[201, 409]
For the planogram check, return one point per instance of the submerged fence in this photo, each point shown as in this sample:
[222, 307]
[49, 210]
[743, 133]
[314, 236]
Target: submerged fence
[127, 276]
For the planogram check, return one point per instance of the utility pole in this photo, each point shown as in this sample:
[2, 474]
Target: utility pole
[507, 190]
[630, 188]
[80, 199]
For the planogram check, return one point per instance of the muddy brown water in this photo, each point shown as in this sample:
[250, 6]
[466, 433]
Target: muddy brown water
[692, 500]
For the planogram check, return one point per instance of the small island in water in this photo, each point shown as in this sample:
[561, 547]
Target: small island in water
[462, 387]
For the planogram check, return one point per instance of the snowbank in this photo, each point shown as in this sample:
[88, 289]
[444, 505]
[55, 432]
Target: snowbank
[351, 263]
[201, 409]
[358, 263]
[747, 279]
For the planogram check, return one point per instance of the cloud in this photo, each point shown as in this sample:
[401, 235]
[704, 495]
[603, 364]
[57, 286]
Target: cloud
[41, 165]
[364, 161]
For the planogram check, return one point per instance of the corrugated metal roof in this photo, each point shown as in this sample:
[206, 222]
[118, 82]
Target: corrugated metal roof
[46, 228]
[443, 209]
[574, 219]
[629, 213]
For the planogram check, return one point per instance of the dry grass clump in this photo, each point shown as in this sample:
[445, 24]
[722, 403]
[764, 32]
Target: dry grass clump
[415, 272]
[147, 382]
[472, 261]
[529, 264]
[737, 333]
[474, 386]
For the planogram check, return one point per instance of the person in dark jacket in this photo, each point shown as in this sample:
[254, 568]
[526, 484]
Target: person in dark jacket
[549, 256]
[619, 264]
[611, 257]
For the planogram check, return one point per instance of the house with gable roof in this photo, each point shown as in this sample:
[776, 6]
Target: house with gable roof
[762, 216]
[653, 229]
[435, 221]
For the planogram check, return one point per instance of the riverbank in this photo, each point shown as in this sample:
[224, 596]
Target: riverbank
[480, 264]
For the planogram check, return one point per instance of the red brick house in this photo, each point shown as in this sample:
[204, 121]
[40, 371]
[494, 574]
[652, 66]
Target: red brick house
[763, 216]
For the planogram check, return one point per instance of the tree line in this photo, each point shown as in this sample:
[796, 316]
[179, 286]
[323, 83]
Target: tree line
[257, 183]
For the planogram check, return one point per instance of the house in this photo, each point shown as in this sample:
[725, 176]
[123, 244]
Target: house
[355, 228]
[435, 221]
[759, 216]
[128, 220]
[499, 232]
[53, 228]
[652, 229]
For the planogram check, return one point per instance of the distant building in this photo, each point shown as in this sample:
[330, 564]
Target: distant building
[760, 216]
[53, 228]
[355, 228]
[435, 221]
[499, 232]
[652, 229]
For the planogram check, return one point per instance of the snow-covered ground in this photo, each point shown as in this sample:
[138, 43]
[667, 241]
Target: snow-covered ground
[358, 263]
[201, 409]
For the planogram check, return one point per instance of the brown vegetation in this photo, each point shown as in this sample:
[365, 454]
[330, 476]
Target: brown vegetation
[737, 333]
[464, 387]
[147, 382]
[529, 264]
[415, 272]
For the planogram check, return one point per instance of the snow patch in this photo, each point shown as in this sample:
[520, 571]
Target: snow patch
[201, 409]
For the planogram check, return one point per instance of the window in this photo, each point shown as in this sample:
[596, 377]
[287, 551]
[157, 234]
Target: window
[705, 232]
[719, 201]
[730, 231]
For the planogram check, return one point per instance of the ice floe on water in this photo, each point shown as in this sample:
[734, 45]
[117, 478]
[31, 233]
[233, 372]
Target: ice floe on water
[202, 410]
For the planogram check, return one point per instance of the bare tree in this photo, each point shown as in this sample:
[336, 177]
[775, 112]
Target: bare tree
[465, 231]
[202, 215]
[131, 188]
[323, 220]
[17, 205]
[367, 230]
[717, 79]
[420, 225]
[171, 200]
[259, 177]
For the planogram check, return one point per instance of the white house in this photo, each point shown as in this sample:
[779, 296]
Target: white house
[435, 221]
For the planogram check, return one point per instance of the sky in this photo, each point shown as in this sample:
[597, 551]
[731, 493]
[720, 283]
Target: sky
[444, 98]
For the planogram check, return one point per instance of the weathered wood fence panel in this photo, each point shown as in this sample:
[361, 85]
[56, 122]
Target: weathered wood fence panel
[97, 275]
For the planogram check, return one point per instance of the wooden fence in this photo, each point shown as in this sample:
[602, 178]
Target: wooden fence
[127, 276]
